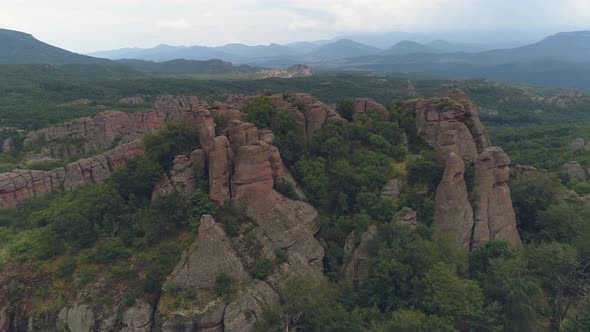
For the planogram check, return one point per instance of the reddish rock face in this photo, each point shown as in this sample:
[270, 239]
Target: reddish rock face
[182, 175]
[218, 158]
[364, 105]
[450, 124]
[452, 213]
[19, 185]
[494, 217]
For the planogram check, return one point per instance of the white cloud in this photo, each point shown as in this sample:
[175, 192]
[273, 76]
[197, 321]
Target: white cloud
[178, 24]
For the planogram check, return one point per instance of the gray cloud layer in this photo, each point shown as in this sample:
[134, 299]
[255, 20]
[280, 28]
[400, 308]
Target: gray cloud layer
[88, 25]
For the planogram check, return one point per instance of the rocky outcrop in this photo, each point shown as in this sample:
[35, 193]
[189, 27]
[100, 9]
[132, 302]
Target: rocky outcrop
[79, 318]
[138, 318]
[131, 100]
[242, 313]
[210, 255]
[494, 215]
[210, 319]
[574, 171]
[356, 256]
[408, 217]
[364, 105]
[19, 185]
[293, 71]
[182, 175]
[453, 214]
[392, 189]
[450, 124]
[8, 145]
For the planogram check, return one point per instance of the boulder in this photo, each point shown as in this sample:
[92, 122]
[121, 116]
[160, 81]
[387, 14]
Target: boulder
[242, 313]
[452, 212]
[209, 255]
[574, 171]
[356, 261]
[79, 318]
[577, 144]
[408, 217]
[138, 318]
[494, 215]
[208, 320]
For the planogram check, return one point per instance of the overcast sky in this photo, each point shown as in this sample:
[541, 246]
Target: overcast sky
[91, 25]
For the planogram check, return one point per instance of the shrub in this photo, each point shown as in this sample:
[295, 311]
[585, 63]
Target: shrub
[261, 268]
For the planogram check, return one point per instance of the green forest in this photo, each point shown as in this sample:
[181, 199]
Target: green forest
[418, 280]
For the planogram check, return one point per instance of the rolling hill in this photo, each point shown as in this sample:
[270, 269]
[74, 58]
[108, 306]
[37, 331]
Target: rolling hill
[21, 48]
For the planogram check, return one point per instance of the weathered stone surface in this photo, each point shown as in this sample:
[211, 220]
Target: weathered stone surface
[199, 161]
[162, 188]
[242, 133]
[577, 144]
[364, 105]
[79, 318]
[296, 265]
[4, 319]
[392, 189]
[453, 214]
[131, 100]
[574, 171]
[210, 320]
[450, 124]
[19, 185]
[182, 175]
[138, 318]
[494, 216]
[8, 145]
[209, 255]
[242, 313]
[288, 224]
[252, 176]
[408, 217]
[218, 158]
[356, 261]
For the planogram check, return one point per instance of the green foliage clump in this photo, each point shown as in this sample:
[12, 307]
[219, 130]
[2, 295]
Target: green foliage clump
[174, 139]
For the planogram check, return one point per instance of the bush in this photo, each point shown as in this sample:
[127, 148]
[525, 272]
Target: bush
[261, 268]
[285, 188]
[224, 286]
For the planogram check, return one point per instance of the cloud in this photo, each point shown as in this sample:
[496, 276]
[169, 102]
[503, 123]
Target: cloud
[87, 25]
[178, 24]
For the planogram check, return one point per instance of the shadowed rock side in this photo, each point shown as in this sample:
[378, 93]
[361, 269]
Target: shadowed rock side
[356, 256]
[19, 185]
[494, 217]
[452, 213]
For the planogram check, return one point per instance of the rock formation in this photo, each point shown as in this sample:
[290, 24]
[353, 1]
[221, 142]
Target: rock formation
[364, 105]
[452, 212]
[131, 100]
[494, 217]
[450, 124]
[182, 175]
[574, 171]
[408, 217]
[356, 256]
[8, 145]
[452, 127]
[242, 313]
[19, 185]
[210, 255]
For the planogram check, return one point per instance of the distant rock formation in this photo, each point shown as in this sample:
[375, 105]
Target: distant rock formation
[356, 256]
[293, 71]
[131, 100]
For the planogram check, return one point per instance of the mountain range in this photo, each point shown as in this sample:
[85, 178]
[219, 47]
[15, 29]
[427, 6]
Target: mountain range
[561, 60]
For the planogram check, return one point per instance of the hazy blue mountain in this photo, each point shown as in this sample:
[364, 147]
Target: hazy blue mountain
[259, 51]
[410, 47]
[22, 48]
[188, 67]
[305, 47]
[345, 48]
[563, 46]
